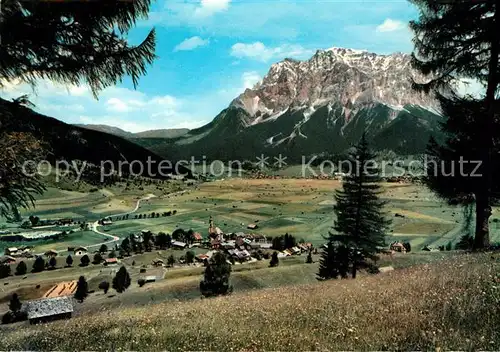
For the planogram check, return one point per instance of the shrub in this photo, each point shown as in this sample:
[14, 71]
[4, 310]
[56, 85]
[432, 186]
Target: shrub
[11, 317]
[21, 268]
[38, 265]
[122, 280]
[274, 260]
[104, 285]
[69, 260]
[171, 260]
[190, 257]
[15, 304]
[8, 318]
[141, 282]
[82, 289]
[85, 260]
[4, 270]
[52, 263]
[97, 259]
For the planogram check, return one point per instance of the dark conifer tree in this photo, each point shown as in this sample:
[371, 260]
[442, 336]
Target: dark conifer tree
[278, 243]
[121, 281]
[69, 42]
[309, 259]
[274, 260]
[161, 240]
[84, 260]
[38, 265]
[289, 241]
[97, 259]
[216, 278]
[190, 257]
[125, 245]
[69, 260]
[171, 260]
[361, 223]
[82, 289]
[4, 270]
[15, 304]
[52, 262]
[455, 40]
[168, 241]
[328, 263]
[21, 268]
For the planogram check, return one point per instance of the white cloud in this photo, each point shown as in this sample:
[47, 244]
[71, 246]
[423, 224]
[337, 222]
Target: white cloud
[191, 43]
[78, 90]
[258, 51]
[117, 105]
[250, 79]
[209, 7]
[391, 25]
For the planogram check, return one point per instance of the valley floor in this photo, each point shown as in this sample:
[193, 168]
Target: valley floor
[453, 304]
[301, 207]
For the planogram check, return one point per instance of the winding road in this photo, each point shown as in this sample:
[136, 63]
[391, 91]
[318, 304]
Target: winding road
[95, 225]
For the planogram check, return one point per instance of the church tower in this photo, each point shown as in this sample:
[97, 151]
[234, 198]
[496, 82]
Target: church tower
[211, 227]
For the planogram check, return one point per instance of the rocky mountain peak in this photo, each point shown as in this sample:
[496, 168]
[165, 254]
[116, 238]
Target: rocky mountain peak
[353, 78]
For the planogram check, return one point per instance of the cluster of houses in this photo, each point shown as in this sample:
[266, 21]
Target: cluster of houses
[238, 246]
[12, 253]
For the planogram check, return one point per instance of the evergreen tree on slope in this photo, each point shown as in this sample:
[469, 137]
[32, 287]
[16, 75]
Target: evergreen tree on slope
[456, 40]
[361, 223]
[216, 278]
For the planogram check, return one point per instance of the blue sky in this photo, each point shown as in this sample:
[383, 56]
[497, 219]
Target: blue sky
[211, 50]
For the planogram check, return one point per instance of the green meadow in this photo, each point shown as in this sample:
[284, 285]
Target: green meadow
[301, 207]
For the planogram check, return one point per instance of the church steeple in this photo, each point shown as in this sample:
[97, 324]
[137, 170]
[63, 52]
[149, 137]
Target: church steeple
[211, 227]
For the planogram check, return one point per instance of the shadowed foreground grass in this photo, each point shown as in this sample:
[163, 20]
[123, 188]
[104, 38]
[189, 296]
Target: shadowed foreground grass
[453, 304]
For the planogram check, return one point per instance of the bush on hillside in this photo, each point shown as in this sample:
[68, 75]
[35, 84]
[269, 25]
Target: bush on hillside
[104, 285]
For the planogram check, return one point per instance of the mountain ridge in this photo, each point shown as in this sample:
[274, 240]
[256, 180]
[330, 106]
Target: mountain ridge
[69, 142]
[320, 105]
[158, 133]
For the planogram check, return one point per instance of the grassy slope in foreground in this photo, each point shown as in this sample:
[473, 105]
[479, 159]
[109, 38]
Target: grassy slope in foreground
[452, 304]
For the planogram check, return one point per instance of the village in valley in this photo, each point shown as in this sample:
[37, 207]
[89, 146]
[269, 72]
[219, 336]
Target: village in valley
[251, 242]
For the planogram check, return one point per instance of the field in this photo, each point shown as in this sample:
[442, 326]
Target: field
[302, 207]
[447, 305]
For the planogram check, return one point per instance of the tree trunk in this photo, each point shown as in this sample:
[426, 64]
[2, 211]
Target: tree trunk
[354, 269]
[483, 213]
[483, 196]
